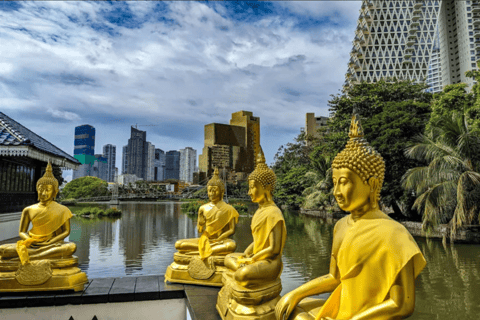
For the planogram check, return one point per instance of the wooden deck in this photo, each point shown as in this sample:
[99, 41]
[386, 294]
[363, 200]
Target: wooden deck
[199, 300]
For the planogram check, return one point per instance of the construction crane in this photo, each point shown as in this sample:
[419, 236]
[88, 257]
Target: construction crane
[145, 125]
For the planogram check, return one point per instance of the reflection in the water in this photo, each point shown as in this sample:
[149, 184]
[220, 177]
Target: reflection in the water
[142, 242]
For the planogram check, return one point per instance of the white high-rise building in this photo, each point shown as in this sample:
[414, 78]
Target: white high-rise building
[396, 39]
[188, 161]
[150, 165]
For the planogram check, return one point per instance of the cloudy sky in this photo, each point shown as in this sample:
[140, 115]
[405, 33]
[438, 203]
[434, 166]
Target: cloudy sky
[174, 66]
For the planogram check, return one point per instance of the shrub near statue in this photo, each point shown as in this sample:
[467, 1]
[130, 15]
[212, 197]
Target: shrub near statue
[42, 260]
[374, 259]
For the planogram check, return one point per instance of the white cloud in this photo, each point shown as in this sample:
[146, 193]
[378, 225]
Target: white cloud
[196, 70]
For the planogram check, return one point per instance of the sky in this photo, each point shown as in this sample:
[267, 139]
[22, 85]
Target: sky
[171, 67]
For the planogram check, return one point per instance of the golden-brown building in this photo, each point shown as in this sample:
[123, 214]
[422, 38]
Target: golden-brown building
[231, 146]
[312, 124]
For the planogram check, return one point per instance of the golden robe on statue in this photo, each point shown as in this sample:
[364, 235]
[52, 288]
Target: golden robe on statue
[52, 217]
[371, 255]
[216, 220]
[264, 220]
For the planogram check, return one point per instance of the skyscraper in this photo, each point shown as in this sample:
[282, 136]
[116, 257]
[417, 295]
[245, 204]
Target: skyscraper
[150, 162]
[124, 159]
[159, 165]
[433, 41]
[188, 161]
[109, 152]
[84, 149]
[172, 165]
[136, 156]
[393, 39]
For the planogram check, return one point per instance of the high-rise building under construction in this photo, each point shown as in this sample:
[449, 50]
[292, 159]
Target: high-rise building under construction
[433, 41]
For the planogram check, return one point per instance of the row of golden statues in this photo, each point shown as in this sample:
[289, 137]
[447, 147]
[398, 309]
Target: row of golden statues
[374, 260]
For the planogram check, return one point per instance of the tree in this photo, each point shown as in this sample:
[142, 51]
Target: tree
[291, 165]
[391, 112]
[85, 187]
[448, 187]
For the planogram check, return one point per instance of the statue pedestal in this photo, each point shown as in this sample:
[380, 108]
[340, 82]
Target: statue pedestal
[52, 275]
[180, 271]
[62, 279]
[235, 302]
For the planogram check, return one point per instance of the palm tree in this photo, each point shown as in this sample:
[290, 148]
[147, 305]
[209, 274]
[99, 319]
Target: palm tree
[319, 193]
[448, 188]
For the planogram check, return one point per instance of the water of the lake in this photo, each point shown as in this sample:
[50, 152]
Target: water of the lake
[142, 241]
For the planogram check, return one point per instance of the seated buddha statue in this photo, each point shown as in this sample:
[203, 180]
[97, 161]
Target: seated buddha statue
[374, 260]
[201, 260]
[42, 260]
[252, 285]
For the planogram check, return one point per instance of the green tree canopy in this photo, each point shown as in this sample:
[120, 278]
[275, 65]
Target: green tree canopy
[85, 187]
[392, 112]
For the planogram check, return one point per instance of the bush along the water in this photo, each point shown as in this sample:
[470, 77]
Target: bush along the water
[98, 212]
[192, 207]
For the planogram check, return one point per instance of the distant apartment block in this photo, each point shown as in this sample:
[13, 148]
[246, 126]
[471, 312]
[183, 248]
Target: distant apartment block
[188, 161]
[312, 124]
[124, 159]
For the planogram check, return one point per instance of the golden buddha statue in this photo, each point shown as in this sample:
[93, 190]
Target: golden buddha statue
[42, 260]
[252, 285]
[374, 259]
[201, 260]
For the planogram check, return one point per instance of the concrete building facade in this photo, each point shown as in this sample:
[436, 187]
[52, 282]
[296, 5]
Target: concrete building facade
[312, 124]
[232, 147]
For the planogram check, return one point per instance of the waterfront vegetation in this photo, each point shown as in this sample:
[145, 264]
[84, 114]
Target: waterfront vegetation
[192, 206]
[430, 144]
[85, 187]
[94, 212]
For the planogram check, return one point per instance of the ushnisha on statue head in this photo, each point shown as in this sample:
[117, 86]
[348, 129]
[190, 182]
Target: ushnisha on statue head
[359, 157]
[263, 177]
[48, 179]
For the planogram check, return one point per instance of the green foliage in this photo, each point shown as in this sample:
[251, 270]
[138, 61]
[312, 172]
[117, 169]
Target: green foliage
[391, 113]
[291, 164]
[448, 187]
[97, 212]
[192, 207]
[85, 187]
[69, 202]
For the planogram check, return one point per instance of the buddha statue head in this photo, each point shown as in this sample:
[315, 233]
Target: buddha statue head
[261, 181]
[47, 186]
[215, 187]
[358, 172]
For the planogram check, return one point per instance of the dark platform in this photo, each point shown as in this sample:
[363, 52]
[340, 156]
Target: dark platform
[200, 300]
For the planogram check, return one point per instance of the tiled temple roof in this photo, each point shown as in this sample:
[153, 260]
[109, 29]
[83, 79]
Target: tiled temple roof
[13, 134]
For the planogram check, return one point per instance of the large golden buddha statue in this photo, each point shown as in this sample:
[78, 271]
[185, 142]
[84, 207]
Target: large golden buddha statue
[42, 260]
[374, 259]
[201, 260]
[252, 285]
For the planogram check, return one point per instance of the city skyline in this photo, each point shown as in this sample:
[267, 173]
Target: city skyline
[175, 66]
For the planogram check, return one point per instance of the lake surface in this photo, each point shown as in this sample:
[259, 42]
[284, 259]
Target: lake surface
[141, 242]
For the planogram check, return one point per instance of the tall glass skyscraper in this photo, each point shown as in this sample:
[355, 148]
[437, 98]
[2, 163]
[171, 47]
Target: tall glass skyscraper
[84, 150]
